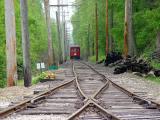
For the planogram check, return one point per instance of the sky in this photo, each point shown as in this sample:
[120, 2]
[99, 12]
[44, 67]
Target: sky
[69, 11]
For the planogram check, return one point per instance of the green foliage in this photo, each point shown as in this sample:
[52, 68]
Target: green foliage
[154, 79]
[38, 78]
[3, 83]
[145, 23]
[2, 45]
[155, 64]
[38, 37]
[93, 58]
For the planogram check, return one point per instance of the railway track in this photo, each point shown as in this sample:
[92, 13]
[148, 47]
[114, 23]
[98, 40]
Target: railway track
[89, 96]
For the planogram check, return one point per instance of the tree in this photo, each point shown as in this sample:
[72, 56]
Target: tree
[88, 42]
[111, 26]
[96, 11]
[129, 42]
[126, 29]
[48, 22]
[107, 41]
[25, 43]
[10, 42]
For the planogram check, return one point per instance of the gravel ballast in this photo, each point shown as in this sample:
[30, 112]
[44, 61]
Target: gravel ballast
[139, 85]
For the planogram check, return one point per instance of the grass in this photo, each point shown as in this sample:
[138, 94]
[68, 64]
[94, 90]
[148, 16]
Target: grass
[154, 79]
[35, 80]
[156, 65]
[93, 58]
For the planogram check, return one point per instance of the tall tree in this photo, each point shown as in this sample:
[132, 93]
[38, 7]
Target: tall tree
[10, 42]
[25, 43]
[48, 22]
[111, 26]
[129, 39]
[88, 42]
[126, 30]
[96, 11]
[107, 41]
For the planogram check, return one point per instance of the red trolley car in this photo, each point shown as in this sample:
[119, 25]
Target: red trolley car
[74, 52]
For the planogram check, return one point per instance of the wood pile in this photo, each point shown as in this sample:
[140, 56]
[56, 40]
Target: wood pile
[136, 65]
[112, 57]
[139, 66]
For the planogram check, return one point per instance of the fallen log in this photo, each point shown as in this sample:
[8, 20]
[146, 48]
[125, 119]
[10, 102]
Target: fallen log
[134, 65]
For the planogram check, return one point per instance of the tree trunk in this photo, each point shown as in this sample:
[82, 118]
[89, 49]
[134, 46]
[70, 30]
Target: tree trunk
[10, 42]
[158, 40]
[25, 43]
[126, 30]
[96, 11]
[107, 41]
[111, 41]
[131, 41]
[48, 22]
[88, 42]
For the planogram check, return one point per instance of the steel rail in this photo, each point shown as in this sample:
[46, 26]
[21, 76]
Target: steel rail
[78, 85]
[79, 111]
[10, 110]
[105, 86]
[91, 100]
[127, 92]
[87, 101]
[109, 115]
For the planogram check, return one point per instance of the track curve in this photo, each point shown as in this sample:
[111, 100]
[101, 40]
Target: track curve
[90, 96]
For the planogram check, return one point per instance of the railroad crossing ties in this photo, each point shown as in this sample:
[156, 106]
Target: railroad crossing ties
[89, 96]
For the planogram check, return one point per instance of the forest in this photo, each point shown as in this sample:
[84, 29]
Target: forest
[145, 27]
[38, 37]
[144, 34]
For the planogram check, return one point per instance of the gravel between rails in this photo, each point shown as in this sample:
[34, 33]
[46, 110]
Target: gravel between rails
[35, 117]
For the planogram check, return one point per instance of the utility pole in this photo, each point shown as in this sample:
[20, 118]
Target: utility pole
[107, 41]
[10, 42]
[65, 40]
[62, 30]
[96, 11]
[25, 43]
[51, 58]
[126, 30]
[59, 39]
[58, 14]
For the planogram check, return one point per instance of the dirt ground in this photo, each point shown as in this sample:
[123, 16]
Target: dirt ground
[15, 94]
